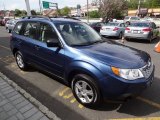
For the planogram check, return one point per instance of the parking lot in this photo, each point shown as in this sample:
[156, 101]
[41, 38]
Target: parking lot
[55, 95]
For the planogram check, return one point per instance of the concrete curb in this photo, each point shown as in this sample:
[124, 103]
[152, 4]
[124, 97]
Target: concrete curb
[35, 102]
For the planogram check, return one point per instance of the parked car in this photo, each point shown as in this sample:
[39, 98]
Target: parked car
[147, 19]
[1, 19]
[113, 29]
[4, 21]
[142, 30]
[129, 19]
[94, 68]
[10, 25]
[97, 25]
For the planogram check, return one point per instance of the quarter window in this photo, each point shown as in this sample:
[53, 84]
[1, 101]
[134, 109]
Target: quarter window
[17, 28]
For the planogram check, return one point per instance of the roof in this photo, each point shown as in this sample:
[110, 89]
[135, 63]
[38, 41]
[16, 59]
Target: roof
[47, 19]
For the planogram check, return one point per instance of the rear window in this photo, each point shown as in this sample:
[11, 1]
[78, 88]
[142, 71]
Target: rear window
[126, 18]
[112, 24]
[18, 27]
[134, 18]
[140, 25]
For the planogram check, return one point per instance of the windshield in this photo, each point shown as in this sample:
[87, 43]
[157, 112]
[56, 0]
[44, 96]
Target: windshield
[112, 24]
[139, 24]
[77, 33]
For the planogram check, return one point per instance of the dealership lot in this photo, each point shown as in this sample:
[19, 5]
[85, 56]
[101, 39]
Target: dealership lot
[59, 98]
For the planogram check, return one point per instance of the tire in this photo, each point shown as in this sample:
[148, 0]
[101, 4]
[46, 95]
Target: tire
[20, 61]
[86, 90]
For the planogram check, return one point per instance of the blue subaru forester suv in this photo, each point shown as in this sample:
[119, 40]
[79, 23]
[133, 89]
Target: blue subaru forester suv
[94, 68]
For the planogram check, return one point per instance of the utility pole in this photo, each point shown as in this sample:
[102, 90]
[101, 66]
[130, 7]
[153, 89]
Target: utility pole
[40, 7]
[87, 12]
[28, 8]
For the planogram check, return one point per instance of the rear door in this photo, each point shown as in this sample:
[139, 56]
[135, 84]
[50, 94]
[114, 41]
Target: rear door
[29, 36]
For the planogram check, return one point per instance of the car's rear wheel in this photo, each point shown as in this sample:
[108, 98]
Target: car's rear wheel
[20, 61]
[86, 90]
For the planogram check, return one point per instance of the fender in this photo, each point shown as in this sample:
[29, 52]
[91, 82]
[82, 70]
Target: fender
[84, 67]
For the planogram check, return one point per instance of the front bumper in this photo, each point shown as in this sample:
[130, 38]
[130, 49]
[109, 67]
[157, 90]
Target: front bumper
[116, 88]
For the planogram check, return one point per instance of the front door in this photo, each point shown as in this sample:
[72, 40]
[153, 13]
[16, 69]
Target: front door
[51, 58]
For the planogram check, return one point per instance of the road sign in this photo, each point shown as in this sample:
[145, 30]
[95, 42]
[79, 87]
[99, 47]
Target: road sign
[45, 4]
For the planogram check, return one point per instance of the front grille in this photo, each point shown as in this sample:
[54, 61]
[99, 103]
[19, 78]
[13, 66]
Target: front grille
[147, 69]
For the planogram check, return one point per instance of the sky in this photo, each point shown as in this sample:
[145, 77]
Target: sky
[34, 4]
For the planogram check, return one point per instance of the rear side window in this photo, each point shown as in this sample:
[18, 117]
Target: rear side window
[18, 27]
[31, 30]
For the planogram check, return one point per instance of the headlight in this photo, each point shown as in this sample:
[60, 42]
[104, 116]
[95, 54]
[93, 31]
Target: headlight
[128, 74]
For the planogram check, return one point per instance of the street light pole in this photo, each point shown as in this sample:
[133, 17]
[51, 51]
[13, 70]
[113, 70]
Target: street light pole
[87, 12]
[28, 8]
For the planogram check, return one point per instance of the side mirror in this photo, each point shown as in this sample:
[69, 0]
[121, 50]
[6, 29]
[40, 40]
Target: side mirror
[53, 43]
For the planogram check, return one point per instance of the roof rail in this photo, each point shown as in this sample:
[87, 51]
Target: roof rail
[36, 16]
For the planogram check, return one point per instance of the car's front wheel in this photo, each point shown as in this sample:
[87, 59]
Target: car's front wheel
[20, 61]
[86, 90]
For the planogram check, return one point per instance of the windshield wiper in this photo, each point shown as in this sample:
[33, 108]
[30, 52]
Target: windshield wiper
[95, 42]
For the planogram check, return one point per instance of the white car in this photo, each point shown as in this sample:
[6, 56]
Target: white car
[113, 29]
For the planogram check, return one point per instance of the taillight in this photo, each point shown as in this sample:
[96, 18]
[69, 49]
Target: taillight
[146, 30]
[115, 29]
[127, 29]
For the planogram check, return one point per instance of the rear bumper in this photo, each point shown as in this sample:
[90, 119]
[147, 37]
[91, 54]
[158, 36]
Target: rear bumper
[113, 33]
[136, 36]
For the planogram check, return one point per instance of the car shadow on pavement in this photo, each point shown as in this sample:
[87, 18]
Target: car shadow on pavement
[137, 107]
[156, 40]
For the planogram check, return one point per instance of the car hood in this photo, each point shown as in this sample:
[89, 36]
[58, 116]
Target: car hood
[115, 54]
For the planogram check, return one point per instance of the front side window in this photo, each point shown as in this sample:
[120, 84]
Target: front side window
[18, 27]
[31, 30]
[77, 33]
[47, 33]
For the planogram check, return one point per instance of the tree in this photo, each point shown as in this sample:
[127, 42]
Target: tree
[110, 8]
[65, 11]
[94, 14]
[17, 12]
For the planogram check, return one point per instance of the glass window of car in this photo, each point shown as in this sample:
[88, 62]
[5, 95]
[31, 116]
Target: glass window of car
[126, 18]
[18, 27]
[134, 18]
[47, 33]
[153, 25]
[31, 30]
[139, 25]
[77, 33]
[112, 24]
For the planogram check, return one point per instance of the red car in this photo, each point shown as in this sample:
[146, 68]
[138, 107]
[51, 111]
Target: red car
[3, 23]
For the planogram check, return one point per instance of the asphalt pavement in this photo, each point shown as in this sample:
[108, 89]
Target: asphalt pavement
[55, 95]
